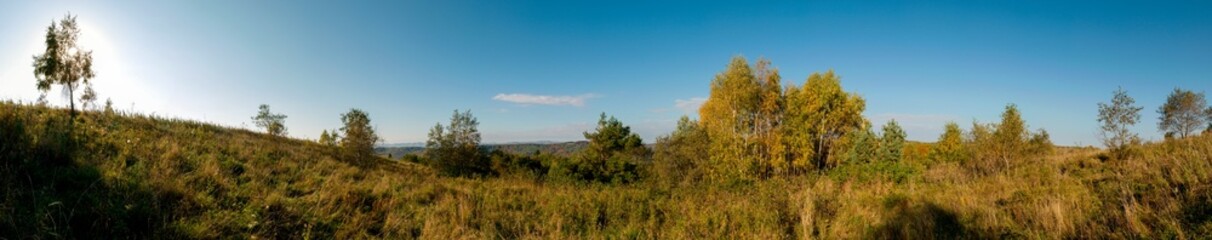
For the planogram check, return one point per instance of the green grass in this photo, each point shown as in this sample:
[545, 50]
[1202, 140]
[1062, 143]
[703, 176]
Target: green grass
[137, 176]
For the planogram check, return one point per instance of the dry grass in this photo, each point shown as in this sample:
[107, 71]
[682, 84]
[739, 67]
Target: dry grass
[137, 176]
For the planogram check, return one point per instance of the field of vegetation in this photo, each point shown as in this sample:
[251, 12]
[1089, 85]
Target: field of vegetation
[126, 175]
[764, 160]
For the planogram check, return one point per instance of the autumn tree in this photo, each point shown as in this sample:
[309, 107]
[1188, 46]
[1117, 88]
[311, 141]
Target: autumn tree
[950, 145]
[999, 146]
[729, 117]
[817, 115]
[1116, 117]
[768, 144]
[679, 157]
[1009, 133]
[892, 142]
[64, 63]
[1183, 113]
[455, 149]
[360, 137]
[274, 124]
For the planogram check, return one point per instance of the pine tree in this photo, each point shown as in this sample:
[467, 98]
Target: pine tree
[892, 142]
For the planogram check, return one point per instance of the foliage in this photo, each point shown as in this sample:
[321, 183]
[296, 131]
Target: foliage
[1183, 113]
[63, 63]
[862, 146]
[613, 156]
[729, 118]
[1116, 118]
[817, 116]
[360, 138]
[329, 138]
[950, 146]
[455, 149]
[892, 142]
[274, 124]
[679, 157]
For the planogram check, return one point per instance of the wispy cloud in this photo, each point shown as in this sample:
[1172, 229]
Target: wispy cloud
[522, 98]
[689, 106]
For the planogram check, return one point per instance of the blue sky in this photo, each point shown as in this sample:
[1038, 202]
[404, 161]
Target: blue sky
[544, 70]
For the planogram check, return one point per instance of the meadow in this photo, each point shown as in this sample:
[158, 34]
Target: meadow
[122, 175]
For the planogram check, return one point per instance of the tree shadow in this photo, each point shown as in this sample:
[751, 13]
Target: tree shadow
[921, 220]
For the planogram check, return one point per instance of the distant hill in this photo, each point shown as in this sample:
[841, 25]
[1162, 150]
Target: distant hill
[564, 149]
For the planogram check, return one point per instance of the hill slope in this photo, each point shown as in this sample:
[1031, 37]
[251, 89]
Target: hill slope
[133, 176]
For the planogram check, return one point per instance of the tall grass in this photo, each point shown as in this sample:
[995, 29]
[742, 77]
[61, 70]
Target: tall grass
[127, 175]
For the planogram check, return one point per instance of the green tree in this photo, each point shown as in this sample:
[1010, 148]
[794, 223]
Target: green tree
[1183, 113]
[613, 155]
[861, 146]
[328, 138]
[950, 145]
[816, 117]
[64, 63]
[1009, 135]
[679, 157]
[1040, 143]
[360, 137]
[1116, 117]
[892, 142]
[274, 124]
[455, 149]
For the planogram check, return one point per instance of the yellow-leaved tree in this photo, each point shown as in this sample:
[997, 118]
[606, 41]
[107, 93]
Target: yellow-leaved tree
[729, 117]
[816, 117]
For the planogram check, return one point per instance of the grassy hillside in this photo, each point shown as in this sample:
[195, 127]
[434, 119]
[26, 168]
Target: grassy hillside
[563, 149]
[135, 176]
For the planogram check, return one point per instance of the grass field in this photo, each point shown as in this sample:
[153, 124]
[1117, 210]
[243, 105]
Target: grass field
[118, 175]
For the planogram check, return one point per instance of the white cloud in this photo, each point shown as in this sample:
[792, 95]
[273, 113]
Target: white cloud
[689, 106]
[522, 98]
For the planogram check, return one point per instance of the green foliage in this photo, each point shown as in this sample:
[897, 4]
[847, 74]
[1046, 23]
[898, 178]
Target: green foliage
[360, 137]
[1116, 118]
[1183, 113]
[862, 146]
[892, 142]
[1009, 134]
[614, 154]
[63, 63]
[679, 156]
[997, 147]
[329, 138]
[455, 149]
[274, 124]
[950, 146]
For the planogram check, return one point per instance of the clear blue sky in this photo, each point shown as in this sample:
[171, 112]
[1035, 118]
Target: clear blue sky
[544, 70]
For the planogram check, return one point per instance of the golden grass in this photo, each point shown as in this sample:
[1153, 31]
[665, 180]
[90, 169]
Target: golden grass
[130, 175]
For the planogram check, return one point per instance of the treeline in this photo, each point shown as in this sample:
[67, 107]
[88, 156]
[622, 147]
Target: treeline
[754, 127]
